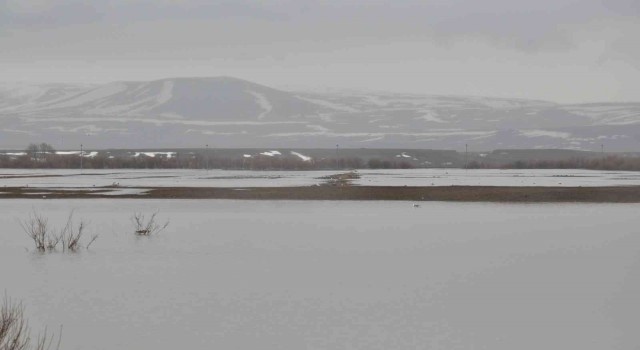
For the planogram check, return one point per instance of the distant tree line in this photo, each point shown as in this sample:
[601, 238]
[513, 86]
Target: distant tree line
[43, 156]
[605, 163]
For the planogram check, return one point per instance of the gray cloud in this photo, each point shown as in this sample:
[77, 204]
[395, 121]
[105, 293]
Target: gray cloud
[520, 22]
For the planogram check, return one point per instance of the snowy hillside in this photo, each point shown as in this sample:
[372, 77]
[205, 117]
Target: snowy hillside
[229, 112]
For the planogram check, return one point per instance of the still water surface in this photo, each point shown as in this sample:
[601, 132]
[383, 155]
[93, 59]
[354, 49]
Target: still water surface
[333, 275]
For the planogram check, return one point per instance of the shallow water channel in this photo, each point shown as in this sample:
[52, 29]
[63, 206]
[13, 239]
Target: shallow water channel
[332, 275]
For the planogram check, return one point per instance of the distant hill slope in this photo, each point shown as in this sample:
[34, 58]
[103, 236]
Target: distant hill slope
[229, 112]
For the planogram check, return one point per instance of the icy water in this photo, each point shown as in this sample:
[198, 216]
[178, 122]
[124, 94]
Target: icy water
[333, 275]
[238, 178]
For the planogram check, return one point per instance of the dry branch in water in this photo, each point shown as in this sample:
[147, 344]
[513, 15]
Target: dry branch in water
[37, 228]
[15, 333]
[70, 237]
[45, 238]
[149, 227]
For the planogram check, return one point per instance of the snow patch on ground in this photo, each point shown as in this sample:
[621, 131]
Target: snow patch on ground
[263, 102]
[271, 153]
[403, 155]
[301, 156]
[166, 93]
[154, 154]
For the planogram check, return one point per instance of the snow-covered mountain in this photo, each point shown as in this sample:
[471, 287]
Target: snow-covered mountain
[228, 112]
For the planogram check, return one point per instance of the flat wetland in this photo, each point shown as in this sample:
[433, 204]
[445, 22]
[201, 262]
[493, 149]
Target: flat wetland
[410, 185]
[399, 259]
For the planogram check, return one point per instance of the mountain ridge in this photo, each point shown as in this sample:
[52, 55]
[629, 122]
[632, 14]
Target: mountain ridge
[231, 112]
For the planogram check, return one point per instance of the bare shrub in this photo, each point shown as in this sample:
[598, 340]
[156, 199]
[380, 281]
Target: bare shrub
[15, 333]
[70, 237]
[143, 227]
[37, 228]
[46, 238]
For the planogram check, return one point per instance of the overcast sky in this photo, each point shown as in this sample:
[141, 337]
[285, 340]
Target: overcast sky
[559, 50]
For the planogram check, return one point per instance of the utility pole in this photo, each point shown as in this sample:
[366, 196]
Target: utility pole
[466, 155]
[337, 148]
[81, 156]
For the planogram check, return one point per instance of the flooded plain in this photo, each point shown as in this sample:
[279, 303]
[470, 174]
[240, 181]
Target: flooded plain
[74, 178]
[332, 275]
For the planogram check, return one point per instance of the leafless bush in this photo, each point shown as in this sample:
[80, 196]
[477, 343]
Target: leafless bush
[46, 238]
[143, 227]
[70, 236]
[37, 228]
[15, 333]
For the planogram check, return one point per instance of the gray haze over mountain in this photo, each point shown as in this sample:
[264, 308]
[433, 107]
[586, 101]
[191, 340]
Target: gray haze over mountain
[567, 51]
[227, 112]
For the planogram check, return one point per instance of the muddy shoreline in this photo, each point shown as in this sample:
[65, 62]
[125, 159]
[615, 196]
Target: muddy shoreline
[613, 194]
